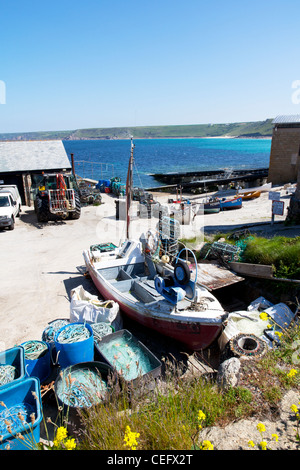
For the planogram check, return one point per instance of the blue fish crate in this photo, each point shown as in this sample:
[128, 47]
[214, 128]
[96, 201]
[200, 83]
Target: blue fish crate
[20, 415]
[12, 366]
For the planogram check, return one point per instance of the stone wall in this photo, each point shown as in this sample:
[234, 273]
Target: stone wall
[284, 157]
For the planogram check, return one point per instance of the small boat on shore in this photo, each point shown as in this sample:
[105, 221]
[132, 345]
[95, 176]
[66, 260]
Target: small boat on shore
[263, 189]
[250, 195]
[211, 206]
[162, 297]
[228, 203]
[157, 295]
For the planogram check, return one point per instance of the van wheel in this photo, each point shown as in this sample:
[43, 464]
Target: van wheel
[12, 226]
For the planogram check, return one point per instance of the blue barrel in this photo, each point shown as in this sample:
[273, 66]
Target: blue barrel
[41, 365]
[75, 350]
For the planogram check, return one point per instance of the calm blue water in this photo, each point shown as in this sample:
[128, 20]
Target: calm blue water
[164, 156]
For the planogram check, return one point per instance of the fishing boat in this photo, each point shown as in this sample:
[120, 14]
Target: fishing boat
[264, 188]
[166, 298]
[211, 206]
[250, 195]
[227, 203]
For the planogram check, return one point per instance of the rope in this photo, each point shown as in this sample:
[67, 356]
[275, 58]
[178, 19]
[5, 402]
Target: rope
[101, 329]
[73, 333]
[7, 374]
[49, 332]
[34, 349]
[81, 388]
[15, 417]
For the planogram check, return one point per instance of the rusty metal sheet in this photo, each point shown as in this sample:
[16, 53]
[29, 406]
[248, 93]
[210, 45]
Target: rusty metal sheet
[214, 276]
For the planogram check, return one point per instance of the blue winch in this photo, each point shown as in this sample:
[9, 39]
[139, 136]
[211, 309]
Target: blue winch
[175, 287]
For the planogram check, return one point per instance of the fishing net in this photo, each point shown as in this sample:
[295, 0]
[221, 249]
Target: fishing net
[50, 331]
[73, 333]
[126, 356]
[100, 330]
[82, 387]
[7, 374]
[16, 417]
[34, 349]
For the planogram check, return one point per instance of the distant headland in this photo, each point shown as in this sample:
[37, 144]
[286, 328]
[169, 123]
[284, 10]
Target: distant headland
[257, 129]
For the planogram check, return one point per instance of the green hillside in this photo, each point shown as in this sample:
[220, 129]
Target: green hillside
[239, 129]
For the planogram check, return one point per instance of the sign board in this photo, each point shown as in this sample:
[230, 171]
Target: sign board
[274, 195]
[277, 207]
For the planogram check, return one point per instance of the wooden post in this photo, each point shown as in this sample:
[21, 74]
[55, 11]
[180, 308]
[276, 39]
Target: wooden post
[73, 165]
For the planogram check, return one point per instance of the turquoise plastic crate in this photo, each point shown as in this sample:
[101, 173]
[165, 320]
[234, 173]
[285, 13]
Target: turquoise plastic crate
[19, 396]
[14, 357]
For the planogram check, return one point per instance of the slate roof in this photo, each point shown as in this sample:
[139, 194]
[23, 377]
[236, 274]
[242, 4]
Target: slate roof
[33, 155]
[293, 119]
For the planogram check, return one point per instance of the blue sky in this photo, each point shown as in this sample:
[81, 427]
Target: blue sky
[108, 63]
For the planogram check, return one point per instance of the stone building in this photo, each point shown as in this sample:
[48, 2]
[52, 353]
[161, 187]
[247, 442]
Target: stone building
[285, 150]
[22, 162]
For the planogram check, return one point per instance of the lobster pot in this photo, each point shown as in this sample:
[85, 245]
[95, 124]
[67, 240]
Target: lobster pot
[20, 402]
[37, 359]
[12, 366]
[74, 343]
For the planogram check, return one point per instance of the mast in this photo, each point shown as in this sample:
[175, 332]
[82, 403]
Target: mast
[129, 189]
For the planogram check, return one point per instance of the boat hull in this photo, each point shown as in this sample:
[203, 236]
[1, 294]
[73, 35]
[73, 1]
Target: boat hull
[211, 208]
[229, 204]
[194, 335]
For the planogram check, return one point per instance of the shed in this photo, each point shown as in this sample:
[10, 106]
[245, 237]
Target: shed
[21, 162]
[285, 150]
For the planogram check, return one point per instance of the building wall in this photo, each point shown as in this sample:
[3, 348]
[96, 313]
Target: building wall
[284, 156]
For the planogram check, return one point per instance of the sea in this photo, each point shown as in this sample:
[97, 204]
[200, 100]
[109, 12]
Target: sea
[106, 159]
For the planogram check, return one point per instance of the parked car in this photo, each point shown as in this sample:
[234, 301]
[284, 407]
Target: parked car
[13, 189]
[9, 210]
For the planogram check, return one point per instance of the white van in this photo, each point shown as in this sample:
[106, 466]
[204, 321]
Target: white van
[13, 189]
[8, 210]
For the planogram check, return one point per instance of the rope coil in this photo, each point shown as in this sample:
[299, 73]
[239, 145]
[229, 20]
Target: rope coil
[52, 328]
[7, 374]
[34, 349]
[73, 333]
[101, 329]
[16, 417]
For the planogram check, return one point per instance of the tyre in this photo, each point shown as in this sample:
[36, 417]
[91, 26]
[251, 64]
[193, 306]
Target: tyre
[76, 214]
[42, 209]
[12, 226]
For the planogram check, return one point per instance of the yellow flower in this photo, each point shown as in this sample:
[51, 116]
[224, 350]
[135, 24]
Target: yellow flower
[263, 445]
[275, 437]
[261, 427]
[294, 408]
[207, 445]
[264, 316]
[130, 438]
[70, 444]
[61, 434]
[278, 333]
[201, 416]
[251, 444]
[292, 373]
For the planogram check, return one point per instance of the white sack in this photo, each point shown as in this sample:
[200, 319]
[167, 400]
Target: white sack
[87, 307]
